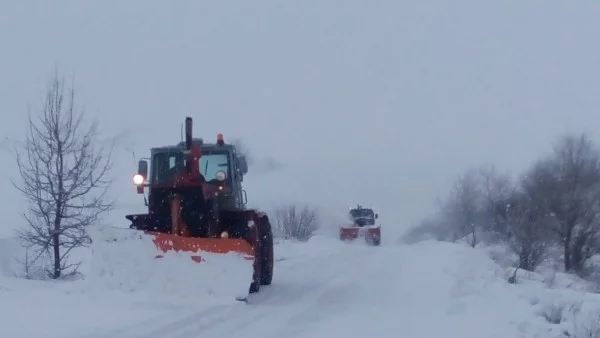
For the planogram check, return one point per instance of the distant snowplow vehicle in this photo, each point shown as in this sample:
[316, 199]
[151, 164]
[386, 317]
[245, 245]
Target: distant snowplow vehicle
[363, 226]
[196, 205]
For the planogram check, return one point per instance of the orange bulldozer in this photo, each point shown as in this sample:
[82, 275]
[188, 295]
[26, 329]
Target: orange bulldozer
[363, 225]
[196, 205]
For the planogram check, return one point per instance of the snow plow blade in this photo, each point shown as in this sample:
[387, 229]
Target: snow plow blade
[168, 242]
[371, 235]
[123, 259]
[230, 262]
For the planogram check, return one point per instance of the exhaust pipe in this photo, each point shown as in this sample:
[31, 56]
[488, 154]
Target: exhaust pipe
[188, 133]
[193, 165]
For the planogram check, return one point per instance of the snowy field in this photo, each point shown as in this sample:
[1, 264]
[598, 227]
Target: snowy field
[323, 288]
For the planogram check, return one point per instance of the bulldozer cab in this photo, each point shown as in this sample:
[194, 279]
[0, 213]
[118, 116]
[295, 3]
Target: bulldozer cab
[362, 216]
[219, 164]
[207, 176]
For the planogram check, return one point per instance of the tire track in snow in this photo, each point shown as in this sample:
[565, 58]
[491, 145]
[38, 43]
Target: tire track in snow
[298, 323]
[189, 323]
[243, 319]
[301, 286]
[156, 327]
[271, 320]
[332, 302]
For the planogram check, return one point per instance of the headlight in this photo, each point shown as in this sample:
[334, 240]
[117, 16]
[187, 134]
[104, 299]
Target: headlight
[138, 179]
[220, 175]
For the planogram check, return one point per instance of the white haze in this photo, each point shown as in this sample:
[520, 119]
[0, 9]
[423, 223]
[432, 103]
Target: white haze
[381, 103]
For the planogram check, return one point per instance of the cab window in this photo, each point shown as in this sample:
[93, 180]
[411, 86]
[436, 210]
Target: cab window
[210, 164]
[165, 166]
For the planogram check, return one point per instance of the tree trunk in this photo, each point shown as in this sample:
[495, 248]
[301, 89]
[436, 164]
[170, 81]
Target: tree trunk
[576, 259]
[56, 246]
[567, 253]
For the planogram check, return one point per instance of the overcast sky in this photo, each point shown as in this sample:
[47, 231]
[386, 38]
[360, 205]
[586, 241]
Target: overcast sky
[381, 103]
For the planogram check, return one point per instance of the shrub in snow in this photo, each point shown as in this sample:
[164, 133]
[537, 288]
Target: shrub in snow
[554, 313]
[586, 327]
[292, 222]
[529, 238]
[34, 267]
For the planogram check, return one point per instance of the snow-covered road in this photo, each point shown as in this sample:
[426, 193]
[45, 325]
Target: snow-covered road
[357, 291]
[323, 288]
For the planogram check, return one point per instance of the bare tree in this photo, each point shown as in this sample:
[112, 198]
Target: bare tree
[63, 167]
[496, 188]
[567, 187]
[463, 208]
[300, 225]
[476, 203]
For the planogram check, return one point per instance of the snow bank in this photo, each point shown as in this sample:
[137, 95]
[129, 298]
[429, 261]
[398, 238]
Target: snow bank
[475, 293]
[124, 260]
[50, 304]
[550, 272]
[321, 287]
[50, 309]
[123, 285]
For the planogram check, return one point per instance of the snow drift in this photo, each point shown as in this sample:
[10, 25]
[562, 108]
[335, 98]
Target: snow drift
[321, 288]
[124, 260]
